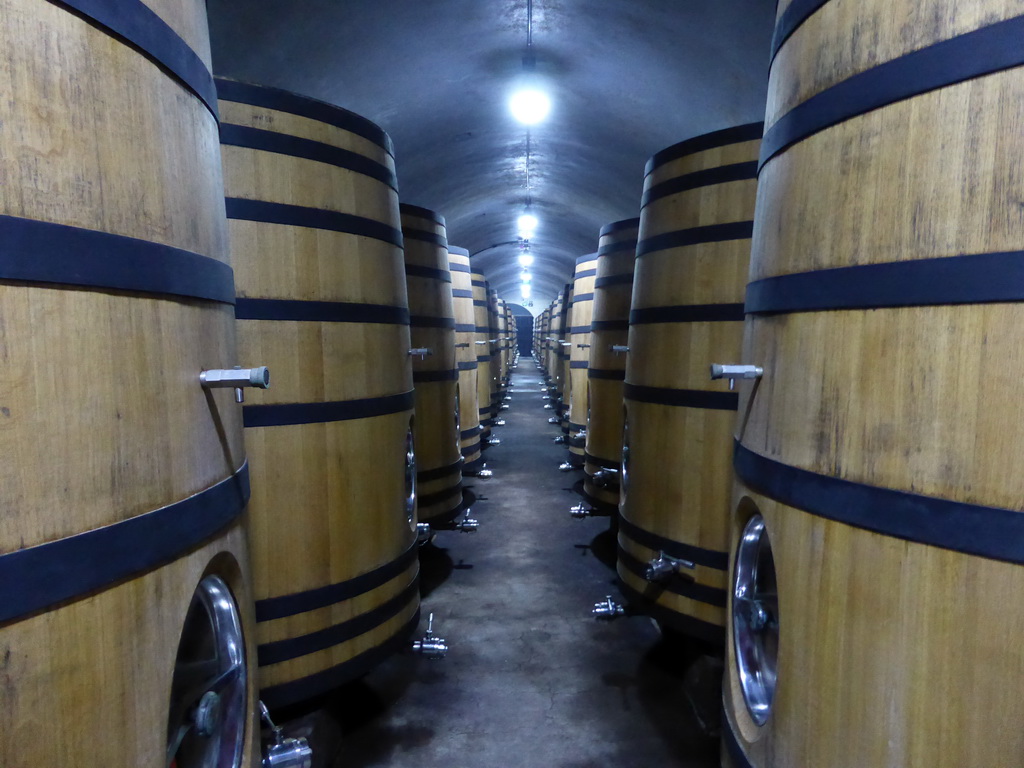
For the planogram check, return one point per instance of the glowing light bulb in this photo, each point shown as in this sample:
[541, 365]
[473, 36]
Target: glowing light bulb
[525, 288]
[525, 259]
[527, 226]
[529, 106]
[527, 277]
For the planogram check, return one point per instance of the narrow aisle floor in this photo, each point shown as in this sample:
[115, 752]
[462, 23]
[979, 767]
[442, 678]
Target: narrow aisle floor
[531, 680]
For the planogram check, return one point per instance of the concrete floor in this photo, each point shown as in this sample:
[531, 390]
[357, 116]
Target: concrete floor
[531, 680]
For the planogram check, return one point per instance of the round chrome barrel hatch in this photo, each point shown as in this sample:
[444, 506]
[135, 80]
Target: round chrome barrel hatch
[207, 718]
[410, 477]
[755, 617]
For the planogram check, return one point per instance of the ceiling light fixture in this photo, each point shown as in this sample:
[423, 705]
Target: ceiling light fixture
[527, 226]
[529, 106]
[525, 259]
[525, 288]
[527, 277]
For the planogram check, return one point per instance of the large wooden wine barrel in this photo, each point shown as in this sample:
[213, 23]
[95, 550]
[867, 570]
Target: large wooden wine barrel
[434, 370]
[564, 335]
[540, 339]
[482, 318]
[494, 348]
[465, 355]
[124, 480]
[579, 355]
[687, 313]
[880, 449]
[503, 347]
[613, 289]
[553, 365]
[317, 242]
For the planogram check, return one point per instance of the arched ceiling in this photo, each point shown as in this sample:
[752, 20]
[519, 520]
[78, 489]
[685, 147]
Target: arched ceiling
[626, 79]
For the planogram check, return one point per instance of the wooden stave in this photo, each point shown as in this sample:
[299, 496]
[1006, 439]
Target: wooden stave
[438, 441]
[329, 353]
[879, 568]
[617, 257]
[163, 189]
[676, 355]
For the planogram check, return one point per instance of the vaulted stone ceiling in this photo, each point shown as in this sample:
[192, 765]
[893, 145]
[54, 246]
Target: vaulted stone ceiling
[626, 78]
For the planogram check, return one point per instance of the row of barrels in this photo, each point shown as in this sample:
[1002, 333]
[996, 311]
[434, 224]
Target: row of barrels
[845, 524]
[170, 554]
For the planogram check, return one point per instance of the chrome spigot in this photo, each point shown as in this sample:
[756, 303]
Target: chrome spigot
[423, 533]
[428, 646]
[608, 609]
[662, 568]
[560, 439]
[236, 378]
[466, 524]
[493, 441]
[581, 511]
[605, 478]
[619, 349]
[733, 372]
[565, 466]
[499, 423]
[421, 352]
[284, 753]
[553, 419]
[485, 472]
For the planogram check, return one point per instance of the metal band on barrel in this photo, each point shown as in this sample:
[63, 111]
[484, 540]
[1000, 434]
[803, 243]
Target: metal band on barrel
[293, 103]
[314, 218]
[965, 279]
[248, 137]
[682, 398]
[290, 414]
[136, 23]
[43, 252]
[974, 54]
[39, 577]
[320, 311]
[991, 532]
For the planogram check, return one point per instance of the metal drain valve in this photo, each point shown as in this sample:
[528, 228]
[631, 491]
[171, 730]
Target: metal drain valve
[285, 753]
[733, 372]
[606, 478]
[662, 568]
[565, 466]
[428, 646]
[424, 533]
[236, 378]
[466, 524]
[608, 609]
[581, 511]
